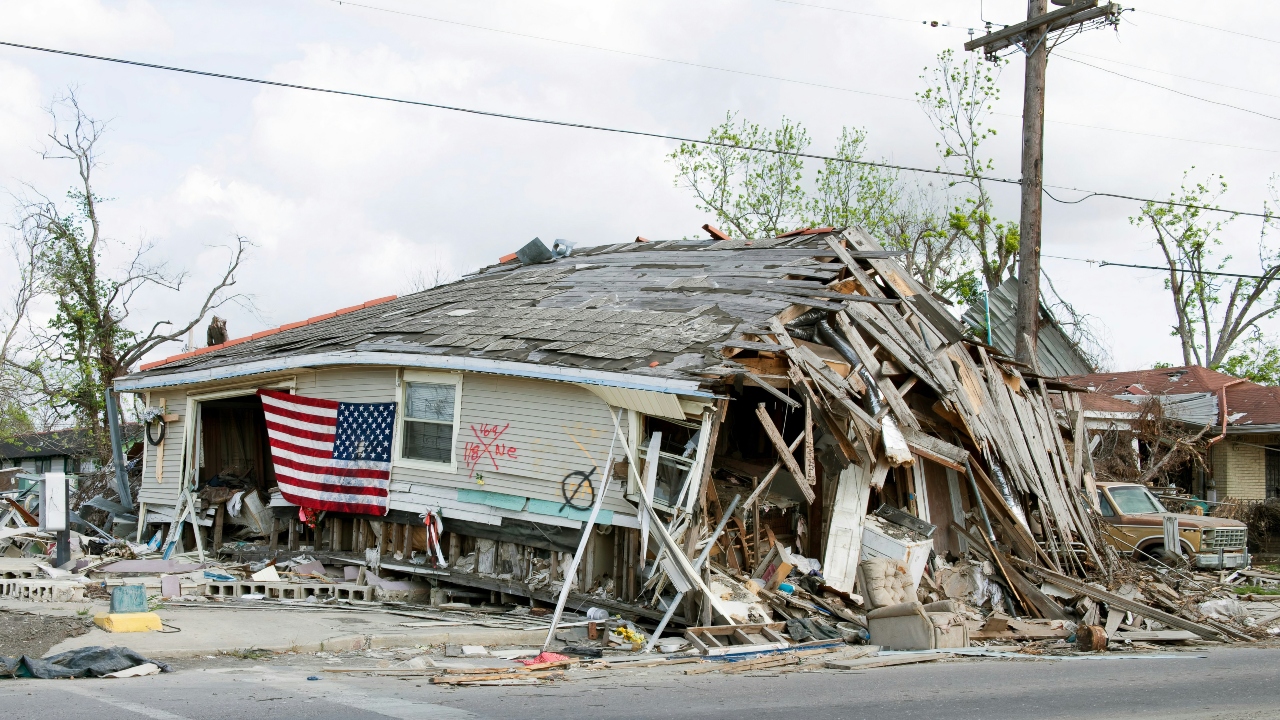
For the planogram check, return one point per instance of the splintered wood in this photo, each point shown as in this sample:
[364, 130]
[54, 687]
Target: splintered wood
[895, 381]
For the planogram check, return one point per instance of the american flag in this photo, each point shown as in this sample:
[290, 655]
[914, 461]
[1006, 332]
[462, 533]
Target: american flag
[330, 455]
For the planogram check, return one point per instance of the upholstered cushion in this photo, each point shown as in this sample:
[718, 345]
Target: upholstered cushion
[885, 582]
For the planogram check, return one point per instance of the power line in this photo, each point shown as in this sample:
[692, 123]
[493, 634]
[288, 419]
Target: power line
[1105, 263]
[1060, 53]
[764, 76]
[616, 51]
[1211, 27]
[602, 128]
[1172, 90]
[859, 12]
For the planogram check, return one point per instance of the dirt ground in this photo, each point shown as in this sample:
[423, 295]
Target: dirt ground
[31, 634]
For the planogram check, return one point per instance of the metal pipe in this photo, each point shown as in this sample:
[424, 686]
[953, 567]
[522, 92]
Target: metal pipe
[117, 453]
[697, 565]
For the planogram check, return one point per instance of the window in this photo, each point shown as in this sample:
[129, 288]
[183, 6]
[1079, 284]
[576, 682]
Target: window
[1104, 505]
[1133, 500]
[70, 465]
[43, 465]
[429, 415]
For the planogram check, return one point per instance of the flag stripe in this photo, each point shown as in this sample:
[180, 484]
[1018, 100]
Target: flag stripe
[298, 400]
[330, 455]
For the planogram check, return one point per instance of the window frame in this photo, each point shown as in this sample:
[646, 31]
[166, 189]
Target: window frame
[398, 458]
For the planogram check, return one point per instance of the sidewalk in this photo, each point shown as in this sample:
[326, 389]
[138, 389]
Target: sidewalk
[209, 630]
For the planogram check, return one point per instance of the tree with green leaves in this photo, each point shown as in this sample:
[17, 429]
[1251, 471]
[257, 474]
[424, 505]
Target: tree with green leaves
[958, 98]
[763, 194]
[91, 339]
[1215, 314]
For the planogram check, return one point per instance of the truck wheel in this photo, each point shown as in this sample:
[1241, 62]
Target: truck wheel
[1158, 553]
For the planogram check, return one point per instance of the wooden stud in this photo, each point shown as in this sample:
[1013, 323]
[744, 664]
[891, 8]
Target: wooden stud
[293, 534]
[219, 517]
[275, 536]
[810, 474]
[455, 547]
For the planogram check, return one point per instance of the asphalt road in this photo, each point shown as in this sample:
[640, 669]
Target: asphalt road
[1228, 683]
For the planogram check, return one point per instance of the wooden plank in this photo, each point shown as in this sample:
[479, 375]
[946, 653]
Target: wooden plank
[1114, 600]
[810, 471]
[772, 390]
[882, 661]
[753, 345]
[780, 446]
[939, 451]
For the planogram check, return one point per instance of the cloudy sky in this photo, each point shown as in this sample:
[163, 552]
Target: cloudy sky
[349, 199]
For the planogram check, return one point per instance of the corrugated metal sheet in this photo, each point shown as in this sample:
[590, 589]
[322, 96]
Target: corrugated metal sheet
[1056, 353]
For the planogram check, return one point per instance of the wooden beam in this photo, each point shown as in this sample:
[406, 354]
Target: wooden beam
[780, 446]
[1056, 20]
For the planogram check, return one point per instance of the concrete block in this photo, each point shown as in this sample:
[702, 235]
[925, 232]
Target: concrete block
[129, 599]
[170, 586]
[42, 590]
[127, 622]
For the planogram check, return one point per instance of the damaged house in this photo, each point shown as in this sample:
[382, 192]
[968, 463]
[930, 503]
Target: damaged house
[764, 405]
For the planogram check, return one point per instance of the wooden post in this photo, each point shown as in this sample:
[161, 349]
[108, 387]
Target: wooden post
[293, 534]
[219, 516]
[810, 472]
[406, 541]
[630, 555]
[455, 547]
[1032, 187]
[589, 562]
[755, 530]
[275, 535]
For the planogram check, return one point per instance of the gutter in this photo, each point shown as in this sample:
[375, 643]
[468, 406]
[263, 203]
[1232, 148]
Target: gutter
[1222, 405]
[137, 382]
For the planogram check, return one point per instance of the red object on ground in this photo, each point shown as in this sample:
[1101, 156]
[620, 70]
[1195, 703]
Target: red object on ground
[544, 657]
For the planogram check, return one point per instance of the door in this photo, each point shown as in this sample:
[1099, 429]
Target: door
[1273, 471]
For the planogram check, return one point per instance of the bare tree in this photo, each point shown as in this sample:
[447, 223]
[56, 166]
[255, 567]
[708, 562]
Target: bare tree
[90, 341]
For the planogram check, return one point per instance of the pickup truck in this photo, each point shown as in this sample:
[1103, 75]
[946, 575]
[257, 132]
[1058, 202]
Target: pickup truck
[1136, 525]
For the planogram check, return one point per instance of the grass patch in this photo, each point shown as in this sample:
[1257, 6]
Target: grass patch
[1256, 590]
[247, 653]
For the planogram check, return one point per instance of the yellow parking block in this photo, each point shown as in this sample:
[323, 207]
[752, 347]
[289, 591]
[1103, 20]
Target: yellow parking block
[127, 622]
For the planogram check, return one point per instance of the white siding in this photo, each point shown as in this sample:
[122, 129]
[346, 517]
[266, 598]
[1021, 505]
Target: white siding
[542, 421]
[349, 384]
[165, 493]
[551, 429]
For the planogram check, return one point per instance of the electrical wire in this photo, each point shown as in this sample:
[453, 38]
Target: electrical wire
[1106, 263]
[615, 51]
[764, 76]
[1172, 90]
[1163, 72]
[602, 128]
[1210, 27]
[859, 12]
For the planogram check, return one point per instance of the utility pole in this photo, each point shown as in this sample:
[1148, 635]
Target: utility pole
[1033, 36]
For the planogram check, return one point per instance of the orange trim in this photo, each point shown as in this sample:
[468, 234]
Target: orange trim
[506, 258]
[264, 333]
[715, 232]
[807, 231]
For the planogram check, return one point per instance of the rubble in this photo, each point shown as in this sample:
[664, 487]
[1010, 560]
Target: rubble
[869, 481]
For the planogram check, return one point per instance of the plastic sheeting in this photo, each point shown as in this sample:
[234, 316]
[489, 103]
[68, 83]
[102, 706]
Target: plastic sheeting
[93, 661]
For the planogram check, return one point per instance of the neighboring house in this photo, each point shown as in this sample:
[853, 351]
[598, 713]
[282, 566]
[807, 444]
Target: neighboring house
[1244, 459]
[70, 451]
[1056, 353]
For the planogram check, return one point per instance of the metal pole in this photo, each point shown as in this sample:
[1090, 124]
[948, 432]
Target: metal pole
[697, 565]
[986, 306]
[977, 498]
[117, 453]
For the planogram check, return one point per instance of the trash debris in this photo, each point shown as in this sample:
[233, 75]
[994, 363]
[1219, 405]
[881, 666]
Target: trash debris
[91, 661]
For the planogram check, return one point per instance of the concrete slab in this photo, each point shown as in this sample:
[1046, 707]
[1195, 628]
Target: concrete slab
[213, 630]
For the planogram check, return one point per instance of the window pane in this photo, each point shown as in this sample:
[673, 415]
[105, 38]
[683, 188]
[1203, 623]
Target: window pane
[428, 441]
[1135, 500]
[429, 401]
[1104, 506]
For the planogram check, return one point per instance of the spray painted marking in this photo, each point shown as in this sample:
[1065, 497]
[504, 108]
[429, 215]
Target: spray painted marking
[487, 446]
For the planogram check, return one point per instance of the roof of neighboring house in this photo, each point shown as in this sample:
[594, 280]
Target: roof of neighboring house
[1055, 352]
[1192, 393]
[72, 442]
[655, 309]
